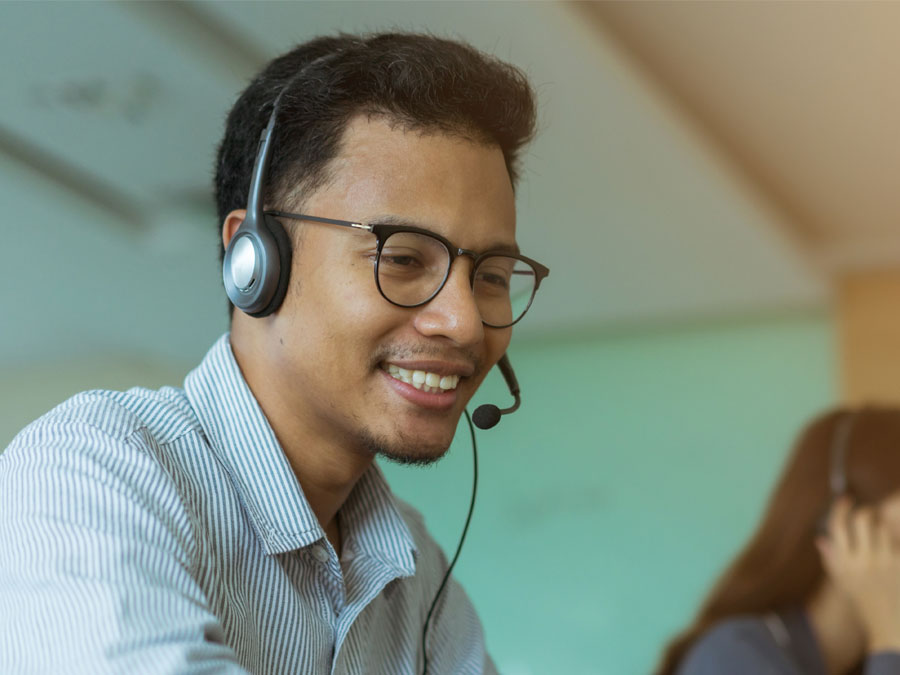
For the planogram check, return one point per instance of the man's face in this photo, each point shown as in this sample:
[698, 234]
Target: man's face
[335, 338]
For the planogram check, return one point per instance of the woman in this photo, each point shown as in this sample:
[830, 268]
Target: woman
[817, 589]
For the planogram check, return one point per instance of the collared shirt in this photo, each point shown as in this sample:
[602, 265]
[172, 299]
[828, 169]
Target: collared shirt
[164, 531]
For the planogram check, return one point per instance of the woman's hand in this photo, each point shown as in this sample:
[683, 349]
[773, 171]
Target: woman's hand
[863, 560]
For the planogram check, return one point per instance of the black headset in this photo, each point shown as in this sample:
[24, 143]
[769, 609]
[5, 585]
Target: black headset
[837, 465]
[837, 474]
[257, 264]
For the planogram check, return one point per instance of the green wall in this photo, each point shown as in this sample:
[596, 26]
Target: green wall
[635, 467]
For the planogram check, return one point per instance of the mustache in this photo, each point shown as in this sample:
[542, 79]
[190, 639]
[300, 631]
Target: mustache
[411, 352]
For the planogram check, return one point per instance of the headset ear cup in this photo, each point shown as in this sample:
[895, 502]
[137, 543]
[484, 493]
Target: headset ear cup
[285, 250]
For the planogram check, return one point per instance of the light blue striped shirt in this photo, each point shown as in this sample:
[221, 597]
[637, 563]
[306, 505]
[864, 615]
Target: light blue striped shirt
[164, 532]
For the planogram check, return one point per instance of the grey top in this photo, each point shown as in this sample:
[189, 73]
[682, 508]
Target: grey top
[776, 644]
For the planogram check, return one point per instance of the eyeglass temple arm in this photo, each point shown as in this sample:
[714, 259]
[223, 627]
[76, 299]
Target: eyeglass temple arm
[318, 219]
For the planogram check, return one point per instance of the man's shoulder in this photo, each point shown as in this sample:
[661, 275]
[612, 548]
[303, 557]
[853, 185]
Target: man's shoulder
[98, 449]
[412, 517]
[426, 545]
[112, 432]
[164, 413]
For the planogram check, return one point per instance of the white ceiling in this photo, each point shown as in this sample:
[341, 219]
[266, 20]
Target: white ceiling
[111, 112]
[803, 96]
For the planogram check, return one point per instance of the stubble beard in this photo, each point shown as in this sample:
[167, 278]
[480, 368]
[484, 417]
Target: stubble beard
[404, 452]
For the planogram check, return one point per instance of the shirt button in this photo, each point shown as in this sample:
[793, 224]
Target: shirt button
[320, 554]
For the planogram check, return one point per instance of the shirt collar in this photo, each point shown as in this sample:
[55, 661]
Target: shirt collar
[372, 525]
[243, 441]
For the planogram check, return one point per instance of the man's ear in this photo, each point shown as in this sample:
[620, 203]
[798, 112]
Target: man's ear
[232, 222]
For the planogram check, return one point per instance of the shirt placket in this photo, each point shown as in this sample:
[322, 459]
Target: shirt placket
[329, 571]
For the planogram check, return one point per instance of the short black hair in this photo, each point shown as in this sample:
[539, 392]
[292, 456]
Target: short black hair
[418, 81]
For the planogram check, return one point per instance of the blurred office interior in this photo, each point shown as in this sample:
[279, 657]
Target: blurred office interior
[715, 187]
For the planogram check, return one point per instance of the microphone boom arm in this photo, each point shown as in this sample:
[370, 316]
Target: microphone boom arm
[506, 369]
[487, 415]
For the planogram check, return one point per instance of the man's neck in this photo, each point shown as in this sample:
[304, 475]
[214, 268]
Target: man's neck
[326, 471]
[325, 486]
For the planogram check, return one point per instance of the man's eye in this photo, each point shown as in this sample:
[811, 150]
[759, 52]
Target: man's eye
[400, 260]
[496, 280]
[407, 259]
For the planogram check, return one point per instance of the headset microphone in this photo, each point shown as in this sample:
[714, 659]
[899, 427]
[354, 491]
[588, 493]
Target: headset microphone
[485, 417]
[488, 415]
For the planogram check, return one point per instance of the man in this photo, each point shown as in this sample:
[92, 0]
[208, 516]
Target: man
[240, 524]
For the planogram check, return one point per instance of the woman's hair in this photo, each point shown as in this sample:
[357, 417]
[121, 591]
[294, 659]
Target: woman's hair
[780, 566]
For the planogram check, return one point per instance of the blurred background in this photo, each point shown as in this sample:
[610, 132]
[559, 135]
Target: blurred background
[715, 188]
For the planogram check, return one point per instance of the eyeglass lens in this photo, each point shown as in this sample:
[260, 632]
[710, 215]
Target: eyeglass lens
[412, 268]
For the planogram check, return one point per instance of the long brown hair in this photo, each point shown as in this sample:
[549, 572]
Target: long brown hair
[780, 567]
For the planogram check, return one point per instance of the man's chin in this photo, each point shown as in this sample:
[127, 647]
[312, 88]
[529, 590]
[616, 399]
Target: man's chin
[411, 458]
[408, 451]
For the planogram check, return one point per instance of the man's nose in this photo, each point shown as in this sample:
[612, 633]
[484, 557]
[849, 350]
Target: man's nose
[453, 312]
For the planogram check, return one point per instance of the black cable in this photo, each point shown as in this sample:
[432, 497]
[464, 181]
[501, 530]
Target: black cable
[462, 538]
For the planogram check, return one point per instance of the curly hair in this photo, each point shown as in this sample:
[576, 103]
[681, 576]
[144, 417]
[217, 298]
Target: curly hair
[416, 81]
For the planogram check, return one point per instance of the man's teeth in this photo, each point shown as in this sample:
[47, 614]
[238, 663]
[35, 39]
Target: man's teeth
[431, 383]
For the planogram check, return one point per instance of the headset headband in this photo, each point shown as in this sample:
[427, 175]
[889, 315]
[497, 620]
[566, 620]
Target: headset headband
[839, 445]
[261, 165]
[257, 263]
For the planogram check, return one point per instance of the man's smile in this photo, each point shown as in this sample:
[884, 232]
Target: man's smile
[431, 383]
[427, 383]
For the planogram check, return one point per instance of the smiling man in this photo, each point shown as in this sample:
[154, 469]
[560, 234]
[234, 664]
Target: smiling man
[365, 188]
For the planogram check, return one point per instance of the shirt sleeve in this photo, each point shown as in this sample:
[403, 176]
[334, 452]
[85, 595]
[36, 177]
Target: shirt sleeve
[96, 560]
[737, 648]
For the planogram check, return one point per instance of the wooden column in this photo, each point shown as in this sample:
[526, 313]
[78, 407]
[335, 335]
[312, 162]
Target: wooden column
[869, 336]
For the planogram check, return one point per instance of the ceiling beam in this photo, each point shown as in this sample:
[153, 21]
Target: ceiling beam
[75, 180]
[198, 28]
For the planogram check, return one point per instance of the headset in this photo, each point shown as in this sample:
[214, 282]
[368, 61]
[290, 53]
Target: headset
[837, 471]
[256, 270]
[257, 263]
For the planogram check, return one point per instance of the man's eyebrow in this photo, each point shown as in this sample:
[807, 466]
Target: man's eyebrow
[390, 219]
[504, 248]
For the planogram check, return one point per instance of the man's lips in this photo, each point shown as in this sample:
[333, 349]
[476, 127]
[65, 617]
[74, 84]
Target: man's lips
[430, 376]
[438, 367]
[429, 381]
[423, 395]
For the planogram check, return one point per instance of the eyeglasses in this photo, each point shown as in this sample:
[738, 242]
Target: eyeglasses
[412, 265]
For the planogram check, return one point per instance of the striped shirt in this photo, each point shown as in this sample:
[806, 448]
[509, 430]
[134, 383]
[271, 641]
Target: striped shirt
[164, 531]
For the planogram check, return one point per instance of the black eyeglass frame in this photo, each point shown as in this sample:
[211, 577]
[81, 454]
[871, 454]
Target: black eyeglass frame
[382, 232]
